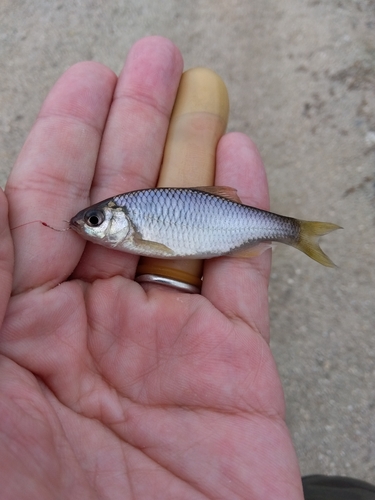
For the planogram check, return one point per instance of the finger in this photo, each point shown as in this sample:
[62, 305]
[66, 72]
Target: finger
[238, 286]
[52, 176]
[134, 138]
[6, 257]
[199, 119]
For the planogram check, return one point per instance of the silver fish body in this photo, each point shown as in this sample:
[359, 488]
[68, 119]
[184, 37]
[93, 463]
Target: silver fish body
[186, 223]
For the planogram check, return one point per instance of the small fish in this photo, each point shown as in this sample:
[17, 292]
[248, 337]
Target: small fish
[194, 223]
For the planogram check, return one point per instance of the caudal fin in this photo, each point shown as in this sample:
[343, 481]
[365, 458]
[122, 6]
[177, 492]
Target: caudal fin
[308, 243]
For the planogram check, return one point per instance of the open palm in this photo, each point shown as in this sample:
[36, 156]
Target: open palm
[110, 389]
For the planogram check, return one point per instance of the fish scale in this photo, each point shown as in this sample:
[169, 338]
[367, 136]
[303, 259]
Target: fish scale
[193, 223]
[188, 220]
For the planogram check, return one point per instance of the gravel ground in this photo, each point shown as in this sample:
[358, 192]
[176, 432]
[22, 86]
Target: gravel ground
[301, 80]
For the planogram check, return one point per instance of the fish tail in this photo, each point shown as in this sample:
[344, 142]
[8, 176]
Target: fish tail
[308, 241]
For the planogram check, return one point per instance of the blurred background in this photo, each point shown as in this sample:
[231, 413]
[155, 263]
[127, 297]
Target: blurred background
[301, 81]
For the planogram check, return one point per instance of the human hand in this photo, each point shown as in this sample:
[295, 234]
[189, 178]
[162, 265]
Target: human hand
[110, 389]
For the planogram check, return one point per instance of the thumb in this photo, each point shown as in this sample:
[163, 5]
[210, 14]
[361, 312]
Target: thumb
[6, 256]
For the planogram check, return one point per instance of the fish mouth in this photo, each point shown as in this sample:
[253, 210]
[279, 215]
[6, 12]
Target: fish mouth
[74, 223]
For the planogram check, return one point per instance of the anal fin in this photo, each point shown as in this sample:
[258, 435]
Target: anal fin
[251, 252]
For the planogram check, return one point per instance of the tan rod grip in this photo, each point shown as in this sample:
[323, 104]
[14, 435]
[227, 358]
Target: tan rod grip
[198, 120]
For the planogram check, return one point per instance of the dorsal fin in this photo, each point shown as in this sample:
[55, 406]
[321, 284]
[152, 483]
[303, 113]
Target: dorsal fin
[224, 191]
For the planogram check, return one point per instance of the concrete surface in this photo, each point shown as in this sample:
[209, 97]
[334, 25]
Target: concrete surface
[301, 79]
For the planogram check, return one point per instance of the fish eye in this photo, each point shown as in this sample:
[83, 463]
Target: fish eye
[94, 218]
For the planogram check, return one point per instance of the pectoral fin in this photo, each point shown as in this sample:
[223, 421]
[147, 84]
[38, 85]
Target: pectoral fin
[149, 246]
